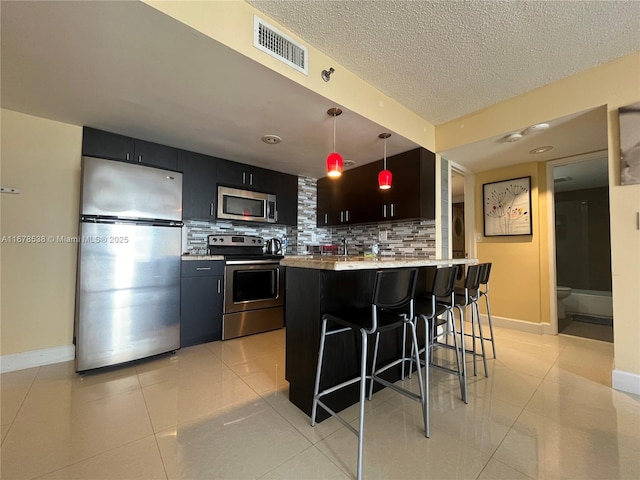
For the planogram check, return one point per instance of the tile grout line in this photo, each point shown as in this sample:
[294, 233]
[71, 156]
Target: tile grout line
[21, 405]
[518, 417]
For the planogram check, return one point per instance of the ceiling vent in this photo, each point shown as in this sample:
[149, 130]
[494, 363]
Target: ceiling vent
[272, 41]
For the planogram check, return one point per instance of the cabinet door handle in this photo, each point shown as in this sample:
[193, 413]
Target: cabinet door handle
[384, 211]
[393, 210]
[342, 215]
[127, 158]
[203, 268]
[211, 209]
[251, 179]
[244, 178]
[326, 218]
[139, 158]
[219, 285]
[347, 215]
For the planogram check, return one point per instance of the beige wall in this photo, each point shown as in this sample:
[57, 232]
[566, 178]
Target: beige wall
[516, 281]
[614, 84]
[41, 158]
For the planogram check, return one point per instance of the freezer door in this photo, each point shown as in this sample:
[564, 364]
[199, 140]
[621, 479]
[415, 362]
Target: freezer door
[119, 189]
[128, 293]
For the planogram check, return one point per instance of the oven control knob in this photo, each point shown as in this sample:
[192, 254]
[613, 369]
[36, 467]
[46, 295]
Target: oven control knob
[222, 239]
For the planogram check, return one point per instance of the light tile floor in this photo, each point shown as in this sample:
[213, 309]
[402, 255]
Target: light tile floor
[220, 411]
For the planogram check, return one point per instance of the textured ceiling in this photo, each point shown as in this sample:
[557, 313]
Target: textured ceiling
[128, 68]
[445, 59]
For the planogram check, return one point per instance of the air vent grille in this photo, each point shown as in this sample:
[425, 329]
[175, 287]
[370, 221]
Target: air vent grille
[272, 41]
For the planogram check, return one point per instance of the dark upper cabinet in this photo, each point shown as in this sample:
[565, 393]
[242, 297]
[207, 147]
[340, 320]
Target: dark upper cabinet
[330, 204]
[284, 186]
[233, 174]
[155, 154]
[98, 143]
[201, 174]
[356, 198]
[287, 199]
[198, 185]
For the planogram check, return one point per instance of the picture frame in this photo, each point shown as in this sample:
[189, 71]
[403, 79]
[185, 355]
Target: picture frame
[507, 207]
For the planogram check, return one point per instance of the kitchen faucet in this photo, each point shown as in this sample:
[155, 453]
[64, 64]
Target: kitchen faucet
[343, 240]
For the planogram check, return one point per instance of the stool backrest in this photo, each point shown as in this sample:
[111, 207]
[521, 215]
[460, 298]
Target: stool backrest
[472, 282]
[444, 281]
[394, 288]
[485, 270]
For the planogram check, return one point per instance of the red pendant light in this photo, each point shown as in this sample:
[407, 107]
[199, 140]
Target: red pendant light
[385, 176]
[334, 159]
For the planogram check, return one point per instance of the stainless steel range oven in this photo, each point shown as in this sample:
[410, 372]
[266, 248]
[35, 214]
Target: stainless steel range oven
[253, 285]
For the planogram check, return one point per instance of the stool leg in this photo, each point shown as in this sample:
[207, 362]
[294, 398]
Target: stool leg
[424, 385]
[363, 393]
[473, 339]
[493, 345]
[476, 313]
[460, 353]
[404, 350]
[316, 388]
[373, 367]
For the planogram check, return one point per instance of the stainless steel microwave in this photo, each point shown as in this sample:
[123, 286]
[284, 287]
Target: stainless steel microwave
[245, 205]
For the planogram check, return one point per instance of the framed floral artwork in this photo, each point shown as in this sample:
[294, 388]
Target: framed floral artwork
[507, 207]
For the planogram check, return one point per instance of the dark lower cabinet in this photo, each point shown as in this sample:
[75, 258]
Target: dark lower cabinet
[201, 297]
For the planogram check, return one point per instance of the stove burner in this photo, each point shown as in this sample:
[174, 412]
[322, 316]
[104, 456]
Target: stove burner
[239, 247]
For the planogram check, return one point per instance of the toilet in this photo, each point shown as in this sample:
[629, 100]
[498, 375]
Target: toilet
[563, 292]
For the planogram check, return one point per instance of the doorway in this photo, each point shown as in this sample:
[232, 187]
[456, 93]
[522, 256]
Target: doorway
[582, 241]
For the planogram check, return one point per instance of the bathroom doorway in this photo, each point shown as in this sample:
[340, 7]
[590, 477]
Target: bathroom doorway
[583, 246]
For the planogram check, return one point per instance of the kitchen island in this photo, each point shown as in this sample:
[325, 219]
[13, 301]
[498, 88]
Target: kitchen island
[316, 285]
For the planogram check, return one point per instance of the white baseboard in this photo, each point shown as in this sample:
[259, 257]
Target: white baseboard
[620, 380]
[36, 358]
[625, 381]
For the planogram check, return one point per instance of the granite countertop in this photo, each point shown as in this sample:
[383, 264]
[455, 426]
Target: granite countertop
[202, 257]
[353, 262]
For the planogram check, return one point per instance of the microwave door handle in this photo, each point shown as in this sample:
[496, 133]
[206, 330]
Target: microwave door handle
[269, 212]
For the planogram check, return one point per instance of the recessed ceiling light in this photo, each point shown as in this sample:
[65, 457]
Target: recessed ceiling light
[538, 127]
[514, 137]
[541, 149]
[271, 139]
[348, 163]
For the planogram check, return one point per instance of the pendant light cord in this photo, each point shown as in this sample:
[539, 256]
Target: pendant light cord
[334, 132]
[385, 153]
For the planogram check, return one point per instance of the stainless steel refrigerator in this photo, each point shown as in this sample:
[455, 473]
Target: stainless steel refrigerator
[128, 277]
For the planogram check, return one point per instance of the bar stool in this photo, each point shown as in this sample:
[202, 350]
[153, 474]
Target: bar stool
[468, 297]
[485, 271]
[391, 308]
[436, 301]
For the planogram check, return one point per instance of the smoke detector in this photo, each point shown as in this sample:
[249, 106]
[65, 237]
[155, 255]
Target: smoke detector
[271, 139]
[538, 127]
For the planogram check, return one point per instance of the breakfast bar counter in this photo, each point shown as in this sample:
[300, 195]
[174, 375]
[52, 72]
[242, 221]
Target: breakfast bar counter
[316, 285]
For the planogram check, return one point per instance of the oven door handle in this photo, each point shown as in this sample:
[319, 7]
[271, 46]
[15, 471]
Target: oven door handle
[252, 262]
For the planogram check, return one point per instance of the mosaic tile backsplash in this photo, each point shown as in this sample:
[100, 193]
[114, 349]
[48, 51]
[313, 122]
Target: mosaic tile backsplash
[413, 237]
